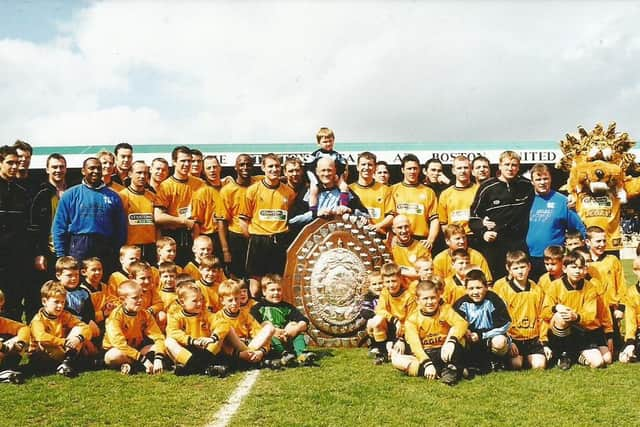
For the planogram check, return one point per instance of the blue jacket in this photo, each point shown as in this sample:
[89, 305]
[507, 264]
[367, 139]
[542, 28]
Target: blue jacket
[489, 318]
[86, 210]
[549, 219]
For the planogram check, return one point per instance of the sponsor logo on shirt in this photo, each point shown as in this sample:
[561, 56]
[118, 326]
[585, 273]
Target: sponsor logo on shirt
[460, 216]
[141, 219]
[410, 208]
[599, 206]
[272, 215]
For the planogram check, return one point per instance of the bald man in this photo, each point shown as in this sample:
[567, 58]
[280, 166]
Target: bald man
[330, 200]
[405, 249]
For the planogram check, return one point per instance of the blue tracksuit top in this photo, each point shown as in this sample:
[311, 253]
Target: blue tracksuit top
[549, 219]
[86, 210]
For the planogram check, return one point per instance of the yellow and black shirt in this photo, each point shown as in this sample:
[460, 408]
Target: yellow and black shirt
[418, 203]
[426, 331]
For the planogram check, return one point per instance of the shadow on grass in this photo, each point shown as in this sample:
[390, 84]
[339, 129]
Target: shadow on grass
[324, 352]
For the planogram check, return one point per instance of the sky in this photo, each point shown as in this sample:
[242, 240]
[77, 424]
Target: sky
[246, 72]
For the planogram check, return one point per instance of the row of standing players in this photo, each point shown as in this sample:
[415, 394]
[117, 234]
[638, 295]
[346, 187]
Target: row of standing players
[184, 207]
[149, 318]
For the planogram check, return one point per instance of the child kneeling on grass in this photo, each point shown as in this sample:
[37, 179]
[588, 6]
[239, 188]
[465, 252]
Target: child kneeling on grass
[489, 321]
[256, 337]
[195, 337]
[133, 341]
[288, 341]
[434, 332]
[14, 340]
[57, 336]
[578, 318]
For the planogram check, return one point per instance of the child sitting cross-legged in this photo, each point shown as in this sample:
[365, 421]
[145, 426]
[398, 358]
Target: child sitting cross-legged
[489, 321]
[579, 321]
[257, 337]
[195, 337]
[288, 341]
[434, 333]
[133, 341]
[57, 336]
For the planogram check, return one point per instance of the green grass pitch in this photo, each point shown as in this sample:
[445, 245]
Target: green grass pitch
[347, 389]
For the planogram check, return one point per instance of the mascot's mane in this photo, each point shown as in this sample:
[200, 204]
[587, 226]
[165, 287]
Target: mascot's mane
[608, 146]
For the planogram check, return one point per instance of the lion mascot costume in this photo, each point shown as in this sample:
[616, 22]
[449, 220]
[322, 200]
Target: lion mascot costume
[598, 163]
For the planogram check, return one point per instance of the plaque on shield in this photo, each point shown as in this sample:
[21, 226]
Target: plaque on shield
[326, 276]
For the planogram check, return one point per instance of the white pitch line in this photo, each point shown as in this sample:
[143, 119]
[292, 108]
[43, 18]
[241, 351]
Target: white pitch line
[224, 415]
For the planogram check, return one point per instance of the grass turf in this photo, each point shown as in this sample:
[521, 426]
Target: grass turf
[349, 390]
[109, 398]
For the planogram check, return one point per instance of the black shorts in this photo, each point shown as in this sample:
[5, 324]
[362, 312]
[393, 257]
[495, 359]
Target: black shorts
[266, 255]
[392, 331]
[238, 248]
[217, 247]
[590, 339]
[436, 358]
[528, 347]
[148, 252]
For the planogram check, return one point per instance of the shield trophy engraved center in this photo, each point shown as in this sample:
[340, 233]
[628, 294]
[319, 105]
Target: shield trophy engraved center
[326, 277]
